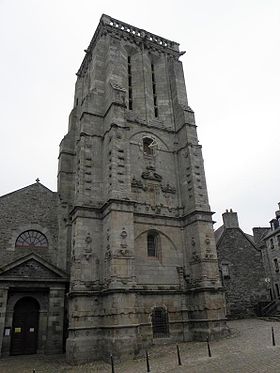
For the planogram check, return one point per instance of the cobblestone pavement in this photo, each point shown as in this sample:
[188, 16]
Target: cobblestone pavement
[249, 349]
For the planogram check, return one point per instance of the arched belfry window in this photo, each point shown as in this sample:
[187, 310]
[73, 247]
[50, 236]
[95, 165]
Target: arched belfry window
[149, 146]
[153, 244]
[160, 323]
[32, 239]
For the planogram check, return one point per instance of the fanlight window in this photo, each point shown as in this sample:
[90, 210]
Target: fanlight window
[32, 239]
[160, 323]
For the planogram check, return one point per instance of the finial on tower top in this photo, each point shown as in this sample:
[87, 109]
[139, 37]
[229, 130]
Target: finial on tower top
[37, 180]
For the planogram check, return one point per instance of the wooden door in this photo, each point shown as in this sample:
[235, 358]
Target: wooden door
[25, 327]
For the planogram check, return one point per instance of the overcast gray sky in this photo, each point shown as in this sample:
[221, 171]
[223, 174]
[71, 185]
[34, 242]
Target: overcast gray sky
[232, 75]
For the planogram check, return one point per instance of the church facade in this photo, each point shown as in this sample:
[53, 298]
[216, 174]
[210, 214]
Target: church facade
[126, 256]
[33, 278]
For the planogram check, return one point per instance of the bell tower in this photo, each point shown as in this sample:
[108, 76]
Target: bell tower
[136, 221]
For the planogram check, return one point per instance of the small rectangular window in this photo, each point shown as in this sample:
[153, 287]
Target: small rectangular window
[225, 271]
[271, 243]
[276, 265]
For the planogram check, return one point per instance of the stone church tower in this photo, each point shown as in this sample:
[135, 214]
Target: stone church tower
[136, 220]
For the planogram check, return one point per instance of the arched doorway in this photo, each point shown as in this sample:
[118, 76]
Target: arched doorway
[25, 327]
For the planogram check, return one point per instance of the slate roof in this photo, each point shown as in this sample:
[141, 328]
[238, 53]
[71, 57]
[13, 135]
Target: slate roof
[38, 184]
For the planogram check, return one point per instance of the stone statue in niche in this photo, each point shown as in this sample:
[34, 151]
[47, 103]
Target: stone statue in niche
[123, 238]
[181, 276]
[88, 246]
[153, 195]
[208, 254]
[73, 249]
[124, 251]
[108, 253]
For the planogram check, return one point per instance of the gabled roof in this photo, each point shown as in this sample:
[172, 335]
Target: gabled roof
[222, 230]
[38, 184]
[32, 267]
[218, 233]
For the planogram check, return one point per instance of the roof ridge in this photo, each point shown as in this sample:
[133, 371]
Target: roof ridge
[26, 187]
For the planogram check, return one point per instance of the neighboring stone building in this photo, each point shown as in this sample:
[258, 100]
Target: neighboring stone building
[241, 267]
[271, 255]
[131, 222]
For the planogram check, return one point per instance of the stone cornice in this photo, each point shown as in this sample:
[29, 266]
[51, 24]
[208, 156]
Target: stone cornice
[113, 26]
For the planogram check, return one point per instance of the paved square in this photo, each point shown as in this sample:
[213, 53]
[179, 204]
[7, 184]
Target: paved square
[249, 349]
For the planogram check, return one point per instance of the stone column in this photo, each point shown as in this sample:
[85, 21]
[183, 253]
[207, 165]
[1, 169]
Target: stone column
[3, 306]
[54, 343]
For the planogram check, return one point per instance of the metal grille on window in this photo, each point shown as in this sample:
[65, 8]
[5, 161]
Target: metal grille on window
[32, 239]
[160, 323]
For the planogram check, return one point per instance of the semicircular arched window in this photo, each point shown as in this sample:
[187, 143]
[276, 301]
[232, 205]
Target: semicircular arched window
[32, 239]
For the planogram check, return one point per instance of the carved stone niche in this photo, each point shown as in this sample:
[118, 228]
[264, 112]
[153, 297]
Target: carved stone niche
[181, 275]
[168, 189]
[124, 252]
[136, 183]
[151, 175]
[88, 246]
[118, 93]
[123, 238]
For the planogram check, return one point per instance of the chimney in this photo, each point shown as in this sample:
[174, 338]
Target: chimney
[277, 213]
[230, 219]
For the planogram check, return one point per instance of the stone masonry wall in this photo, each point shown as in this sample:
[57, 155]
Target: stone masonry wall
[33, 207]
[245, 286]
